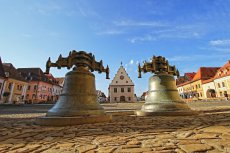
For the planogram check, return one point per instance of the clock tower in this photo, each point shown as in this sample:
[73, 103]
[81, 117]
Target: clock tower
[121, 89]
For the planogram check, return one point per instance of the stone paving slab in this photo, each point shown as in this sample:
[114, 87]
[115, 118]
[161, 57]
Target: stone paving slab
[206, 132]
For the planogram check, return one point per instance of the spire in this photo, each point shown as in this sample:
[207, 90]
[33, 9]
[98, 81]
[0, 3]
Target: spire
[121, 63]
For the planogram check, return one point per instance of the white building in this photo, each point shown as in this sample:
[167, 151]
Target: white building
[209, 88]
[121, 89]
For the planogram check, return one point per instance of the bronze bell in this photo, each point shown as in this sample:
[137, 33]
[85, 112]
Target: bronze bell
[77, 103]
[163, 97]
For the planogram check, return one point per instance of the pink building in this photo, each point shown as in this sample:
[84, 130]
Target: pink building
[40, 87]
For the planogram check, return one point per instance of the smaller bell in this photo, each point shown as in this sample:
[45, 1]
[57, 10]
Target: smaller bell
[163, 97]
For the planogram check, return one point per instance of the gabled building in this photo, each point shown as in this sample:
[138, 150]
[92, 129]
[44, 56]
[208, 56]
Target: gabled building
[222, 81]
[193, 87]
[121, 89]
[56, 88]
[15, 86]
[101, 96]
[40, 87]
[2, 81]
[183, 85]
[61, 81]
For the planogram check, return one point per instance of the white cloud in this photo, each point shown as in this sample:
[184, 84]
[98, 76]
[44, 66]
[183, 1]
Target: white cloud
[138, 23]
[196, 57]
[131, 62]
[110, 32]
[47, 9]
[170, 32]
[223, 42]
[142, 39]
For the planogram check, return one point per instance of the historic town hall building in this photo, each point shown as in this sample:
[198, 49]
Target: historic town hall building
[121, 89]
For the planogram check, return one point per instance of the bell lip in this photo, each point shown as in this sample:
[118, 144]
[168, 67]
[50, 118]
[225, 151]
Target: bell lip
[71, 121]
[166, 113]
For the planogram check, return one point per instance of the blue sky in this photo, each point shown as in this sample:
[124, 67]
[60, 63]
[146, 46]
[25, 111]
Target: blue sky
[189, 33]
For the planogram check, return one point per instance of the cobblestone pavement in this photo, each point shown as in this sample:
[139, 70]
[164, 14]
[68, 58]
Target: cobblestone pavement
[206, 132]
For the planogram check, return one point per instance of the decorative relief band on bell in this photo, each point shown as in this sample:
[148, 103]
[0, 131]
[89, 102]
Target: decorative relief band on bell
[80, 93]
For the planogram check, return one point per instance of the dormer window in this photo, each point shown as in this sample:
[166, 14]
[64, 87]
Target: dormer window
[7, 74]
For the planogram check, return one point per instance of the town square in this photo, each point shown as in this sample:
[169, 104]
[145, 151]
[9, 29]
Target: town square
[115, 77]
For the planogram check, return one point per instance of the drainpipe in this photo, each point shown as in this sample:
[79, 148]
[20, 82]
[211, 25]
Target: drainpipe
[3, 87]
[36, 92]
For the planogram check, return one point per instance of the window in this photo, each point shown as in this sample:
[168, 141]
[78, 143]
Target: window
[115, 98]
[201, 94]
[223, 85]
[35, 87]
[115, 90]
[129, 98]
[28, 88]
[218, 85]
[198, 85]
[220, 93]
[116, 81]
[127, 82]
[129, 89]
[122, 89]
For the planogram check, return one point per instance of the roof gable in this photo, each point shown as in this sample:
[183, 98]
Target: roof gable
[223, 71]
[205, 73]
[122, 78]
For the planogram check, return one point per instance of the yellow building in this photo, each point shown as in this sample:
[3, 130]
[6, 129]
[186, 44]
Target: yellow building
[194, 88]
[184, 86]
[15, 86]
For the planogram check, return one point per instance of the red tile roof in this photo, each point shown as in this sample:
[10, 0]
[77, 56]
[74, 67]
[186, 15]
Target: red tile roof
[223, 71]
[34, 74]
[13, 72]
[52, 79]
[186, 78]
[190, 75]
[205, 73]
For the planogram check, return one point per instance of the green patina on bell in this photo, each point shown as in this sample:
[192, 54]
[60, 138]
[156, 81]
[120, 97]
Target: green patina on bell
[162, 97]
[78, 101]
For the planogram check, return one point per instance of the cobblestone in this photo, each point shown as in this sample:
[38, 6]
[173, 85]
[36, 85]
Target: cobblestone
[206, 132]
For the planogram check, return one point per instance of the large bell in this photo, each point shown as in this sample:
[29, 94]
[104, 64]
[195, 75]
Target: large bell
[77, 103]
[163, 97]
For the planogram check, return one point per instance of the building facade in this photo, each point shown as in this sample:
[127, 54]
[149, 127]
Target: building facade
[121, 89]
[208, 83]
[40, 87]
[15, 85]
[56, 88]
[222, 81]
